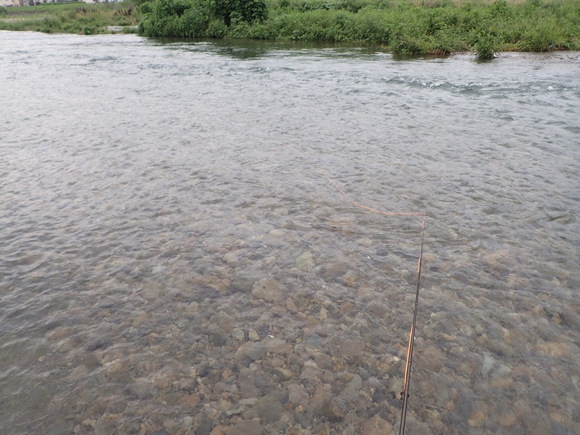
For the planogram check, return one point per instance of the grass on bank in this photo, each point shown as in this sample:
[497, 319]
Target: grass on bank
[81, 18]
[406, 27]
[438, 27]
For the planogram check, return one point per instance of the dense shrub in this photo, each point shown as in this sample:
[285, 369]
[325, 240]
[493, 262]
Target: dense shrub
[199, 18]
[484, 47]
[238, 10]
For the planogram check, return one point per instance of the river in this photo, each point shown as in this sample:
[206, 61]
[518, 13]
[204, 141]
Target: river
[173, 260]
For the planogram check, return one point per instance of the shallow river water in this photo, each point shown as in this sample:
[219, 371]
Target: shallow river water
[171, 263]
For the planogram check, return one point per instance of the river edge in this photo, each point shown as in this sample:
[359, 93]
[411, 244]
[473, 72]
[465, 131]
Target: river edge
[404, 29]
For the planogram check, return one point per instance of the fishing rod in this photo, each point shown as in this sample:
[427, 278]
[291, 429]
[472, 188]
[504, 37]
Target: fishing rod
[405, 392]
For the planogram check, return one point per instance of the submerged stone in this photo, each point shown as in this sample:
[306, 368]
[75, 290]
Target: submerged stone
[246, 427]
[377, 426]
[305, 262]
[268, 290]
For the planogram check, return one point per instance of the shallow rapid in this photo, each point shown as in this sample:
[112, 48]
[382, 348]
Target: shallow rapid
[168, 265]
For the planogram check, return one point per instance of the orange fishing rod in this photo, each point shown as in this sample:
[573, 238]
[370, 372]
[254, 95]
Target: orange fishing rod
[405, 392]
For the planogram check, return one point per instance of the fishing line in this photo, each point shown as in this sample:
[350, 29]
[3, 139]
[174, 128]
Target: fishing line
[405, 392]
[345, 195]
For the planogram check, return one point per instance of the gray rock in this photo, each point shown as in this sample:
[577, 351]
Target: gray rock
[99, 343]
[323, 361]
[395, 385]
[304, 417]
[364, 374]
[244, 281]
[131, 428]
[187, 421]
[314, 341]
[302, 227]
[283, 374]
[394, 259]
[238, 334]
[240, 354]
[68, 428]
[103, 427]
[353, 347]
[310, 371]
[261, 382]
[218, 338]
[327, 377]
[321, 397]
[268, 290]
[378, 308]
[350, 279]
[256, 351]
[373, 382]
[246, 427]
[240, 406]
[335, 271]
[298, 395]
[377, 426]
[268, 409]
[246, 381]
[278, 346]
[140, 390]
[187, 385]
[277, 233]
[336, 410]
[353, 387]
[232, 257]
[305, 262]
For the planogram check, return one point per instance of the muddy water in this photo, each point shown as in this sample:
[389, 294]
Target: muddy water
[167, 265]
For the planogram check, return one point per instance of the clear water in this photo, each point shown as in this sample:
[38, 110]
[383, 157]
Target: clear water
[145, 190]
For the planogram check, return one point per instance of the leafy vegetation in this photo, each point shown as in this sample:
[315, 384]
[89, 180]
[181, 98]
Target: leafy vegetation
[439, 27]
[406, 27]
[199, 18]
[70, 18]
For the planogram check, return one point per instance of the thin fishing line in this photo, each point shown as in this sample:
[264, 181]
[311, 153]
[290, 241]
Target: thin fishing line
[345, 195]
[405, 393]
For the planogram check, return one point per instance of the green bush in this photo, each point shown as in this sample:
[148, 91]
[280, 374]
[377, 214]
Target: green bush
[192, 23]
[484, 47]
[146, 8]
[199, 18]
[122, 21]
[239, 10]
[216, 29]
[405, 45]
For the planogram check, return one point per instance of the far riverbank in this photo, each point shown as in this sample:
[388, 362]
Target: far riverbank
[404, 28]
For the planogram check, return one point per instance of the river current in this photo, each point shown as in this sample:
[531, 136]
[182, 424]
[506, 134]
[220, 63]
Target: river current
[172, 262]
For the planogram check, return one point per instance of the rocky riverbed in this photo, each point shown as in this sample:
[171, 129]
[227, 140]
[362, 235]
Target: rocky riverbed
[169, 266]
[273, 333]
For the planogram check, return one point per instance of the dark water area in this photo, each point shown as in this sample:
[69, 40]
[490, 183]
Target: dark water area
[169, 266]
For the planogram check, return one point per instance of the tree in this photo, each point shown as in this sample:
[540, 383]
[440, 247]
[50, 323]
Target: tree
[239, 10]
